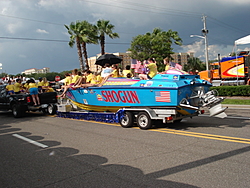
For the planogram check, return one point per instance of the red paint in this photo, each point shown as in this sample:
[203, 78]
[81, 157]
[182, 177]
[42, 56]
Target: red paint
[120, 96]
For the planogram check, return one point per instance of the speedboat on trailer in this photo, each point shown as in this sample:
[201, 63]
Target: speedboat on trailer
[166, 97]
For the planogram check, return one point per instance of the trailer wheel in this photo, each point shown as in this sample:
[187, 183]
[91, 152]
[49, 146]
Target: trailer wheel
[51, 109]
[127, 120]
[143, 121]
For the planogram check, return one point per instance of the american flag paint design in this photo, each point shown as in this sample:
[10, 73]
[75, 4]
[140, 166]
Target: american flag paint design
[162, 96]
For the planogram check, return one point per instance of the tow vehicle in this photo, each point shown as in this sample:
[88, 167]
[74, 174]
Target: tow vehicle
[19, 104]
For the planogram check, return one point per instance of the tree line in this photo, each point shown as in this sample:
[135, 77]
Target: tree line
[156, 44]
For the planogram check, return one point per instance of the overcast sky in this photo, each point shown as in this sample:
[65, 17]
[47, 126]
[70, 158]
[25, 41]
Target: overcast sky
[32, 32]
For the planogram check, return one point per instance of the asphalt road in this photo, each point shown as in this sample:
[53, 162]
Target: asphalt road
[198, 152]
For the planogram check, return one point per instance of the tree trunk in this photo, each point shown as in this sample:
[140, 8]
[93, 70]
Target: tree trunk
[84, 49]
[103, 44]
[79, 50]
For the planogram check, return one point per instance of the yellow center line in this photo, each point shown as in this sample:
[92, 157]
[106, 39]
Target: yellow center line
[183, 133]
[203, 134]
[207, 136]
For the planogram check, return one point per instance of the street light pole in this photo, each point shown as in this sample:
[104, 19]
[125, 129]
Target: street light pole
[205, 31]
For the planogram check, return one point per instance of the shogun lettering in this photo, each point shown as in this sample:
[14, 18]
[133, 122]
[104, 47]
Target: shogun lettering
[120, 96]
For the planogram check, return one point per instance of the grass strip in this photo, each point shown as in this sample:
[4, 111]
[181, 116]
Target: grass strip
[236, 101]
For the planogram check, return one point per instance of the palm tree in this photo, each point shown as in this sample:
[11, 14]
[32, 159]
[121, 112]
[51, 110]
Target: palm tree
[88, 36]
[103, 28]
[74, 29]
[194, 64]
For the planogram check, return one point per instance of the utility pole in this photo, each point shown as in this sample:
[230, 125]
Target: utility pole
[205, 32]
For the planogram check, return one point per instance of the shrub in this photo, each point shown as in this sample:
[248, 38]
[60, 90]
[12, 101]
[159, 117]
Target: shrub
[241, 90]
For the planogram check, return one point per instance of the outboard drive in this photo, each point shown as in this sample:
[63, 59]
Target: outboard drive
[202, 99]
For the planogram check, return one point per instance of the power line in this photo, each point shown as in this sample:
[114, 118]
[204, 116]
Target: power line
[158, 8]
[27, 19]
[227, 25]
[174, 12]
[169, 11]
[52, 40]
[47, 40]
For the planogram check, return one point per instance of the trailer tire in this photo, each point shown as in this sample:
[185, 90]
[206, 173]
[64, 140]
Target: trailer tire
[127, 120]
[143, 121]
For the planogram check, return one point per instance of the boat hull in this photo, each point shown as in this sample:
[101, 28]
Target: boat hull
[144, 93]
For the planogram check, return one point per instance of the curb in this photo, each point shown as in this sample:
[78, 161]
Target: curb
[235, 106]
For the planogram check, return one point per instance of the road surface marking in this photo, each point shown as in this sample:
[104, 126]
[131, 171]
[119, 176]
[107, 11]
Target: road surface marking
[204, 135]
[186, 133]
[195, 134]
[30, 141]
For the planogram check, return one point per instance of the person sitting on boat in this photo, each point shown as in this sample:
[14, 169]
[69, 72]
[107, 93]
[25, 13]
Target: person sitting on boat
[75, 76]
[85, 81]
[67, 79]
[70, 80]
[84, 85]
[81, 78]
[115, 72]
[152, 70]
[92, 78]
[89, 76]
[127, 71]
[67, 82]
[96, 78]
[166, 63]
[106, 71]
[77, 79]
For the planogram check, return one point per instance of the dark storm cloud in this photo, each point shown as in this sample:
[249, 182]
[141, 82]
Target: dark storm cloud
[226, 21]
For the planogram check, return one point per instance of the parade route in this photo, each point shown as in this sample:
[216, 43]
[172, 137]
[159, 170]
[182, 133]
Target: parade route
[197, 152]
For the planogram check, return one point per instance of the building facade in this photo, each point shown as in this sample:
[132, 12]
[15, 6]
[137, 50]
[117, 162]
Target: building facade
[34, 70]
[182, 58]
